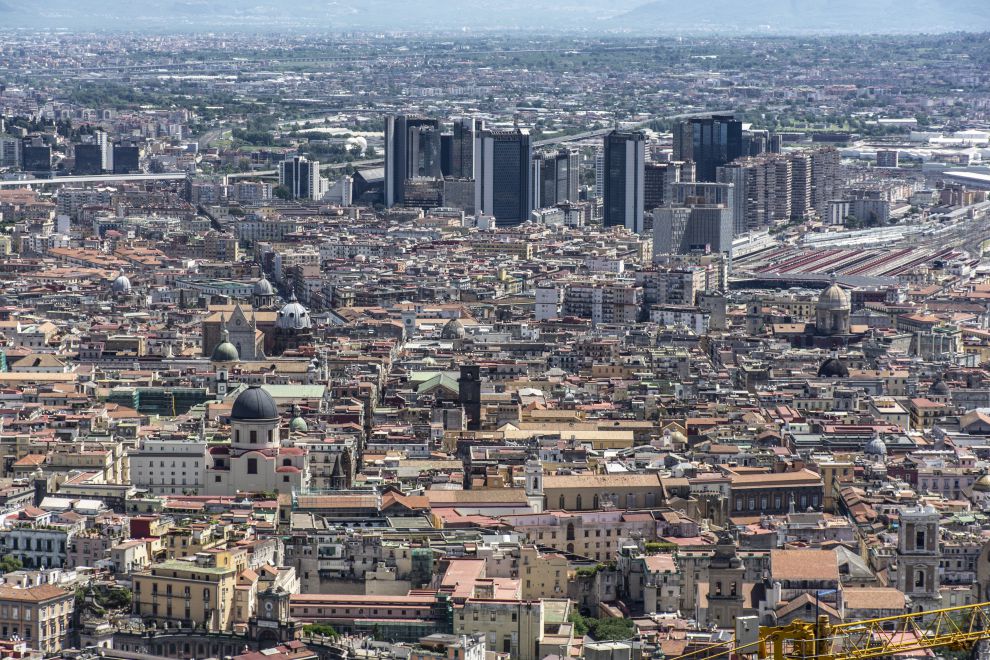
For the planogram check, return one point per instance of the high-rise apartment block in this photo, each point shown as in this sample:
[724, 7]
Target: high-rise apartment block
[773, 188]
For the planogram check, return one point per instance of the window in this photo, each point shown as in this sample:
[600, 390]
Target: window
[252, 466]
[919, 540]
[254, 437]
[919, 579]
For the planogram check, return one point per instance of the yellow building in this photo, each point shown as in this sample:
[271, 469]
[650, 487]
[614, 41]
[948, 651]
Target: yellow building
[590, 492]
[181, 542]
[542, 575]
[41, 616]
[192, 592]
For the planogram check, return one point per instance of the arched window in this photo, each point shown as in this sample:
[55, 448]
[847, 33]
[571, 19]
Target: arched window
[579, 507]
[561, 507]
[570, 531]
[919, 579]
[595, 503]
[252, 466]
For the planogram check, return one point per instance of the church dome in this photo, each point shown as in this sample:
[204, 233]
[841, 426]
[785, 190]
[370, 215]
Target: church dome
[263, 287]
[121, 285]
[833, 368]
[298, 425]
[453, 329]
[293, 316]
[254, 404]
[982, 485]
[876, 447]
[939, 388]
[834, 298]
[225, 352]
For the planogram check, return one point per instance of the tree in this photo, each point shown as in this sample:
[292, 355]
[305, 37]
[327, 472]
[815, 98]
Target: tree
[612, 629]
[320, 629]
[282, 192]
[10, 563]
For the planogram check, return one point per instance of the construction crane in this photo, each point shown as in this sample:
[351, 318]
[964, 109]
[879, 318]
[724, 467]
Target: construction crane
[953, 628]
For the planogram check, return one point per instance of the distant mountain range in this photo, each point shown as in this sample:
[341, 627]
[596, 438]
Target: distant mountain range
[789, 16]
[657, 16]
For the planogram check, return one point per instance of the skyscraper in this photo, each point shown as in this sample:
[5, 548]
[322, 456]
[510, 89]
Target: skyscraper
[412, 149]
[623, 170]
[657, 181]
[126, 158]
[301, 177]
[36, 156]
[502, 175]
[462, 147]
[555, 178]
[710, 142]
[88, 159]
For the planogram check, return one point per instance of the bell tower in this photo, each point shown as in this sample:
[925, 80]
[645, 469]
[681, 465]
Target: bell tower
[918, 557]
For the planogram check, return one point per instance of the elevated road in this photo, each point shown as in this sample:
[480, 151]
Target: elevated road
[96, 178]
[328, 167]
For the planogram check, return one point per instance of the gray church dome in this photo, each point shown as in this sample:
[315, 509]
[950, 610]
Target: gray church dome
[121, 285]
[293, 316]
[263, 287]
[254, 404]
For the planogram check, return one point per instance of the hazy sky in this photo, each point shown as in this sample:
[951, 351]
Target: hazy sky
[647, 16]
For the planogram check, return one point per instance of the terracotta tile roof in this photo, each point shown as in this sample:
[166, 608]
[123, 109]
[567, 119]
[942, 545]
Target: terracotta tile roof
[873, 598]
[804, 565]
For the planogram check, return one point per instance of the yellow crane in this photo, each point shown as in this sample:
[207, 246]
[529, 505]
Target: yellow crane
[955, 628]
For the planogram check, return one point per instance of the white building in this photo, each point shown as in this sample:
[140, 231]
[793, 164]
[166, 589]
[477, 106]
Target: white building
[548, 300]
[169, 466]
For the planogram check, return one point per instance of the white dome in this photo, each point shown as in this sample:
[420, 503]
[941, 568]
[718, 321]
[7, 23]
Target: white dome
[121, 284]
[834, 297]
[876, 447]
[263, 287]
[293, 316]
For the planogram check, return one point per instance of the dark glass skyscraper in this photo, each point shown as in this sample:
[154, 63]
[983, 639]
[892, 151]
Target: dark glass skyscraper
[88, 159]
[556, 176]
[462, 148]
[412, 149]
[126, 159]
[502, 175]
[624, 166]
[710, 142]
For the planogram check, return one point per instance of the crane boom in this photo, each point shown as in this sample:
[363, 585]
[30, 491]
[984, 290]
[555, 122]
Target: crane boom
[957, 628]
